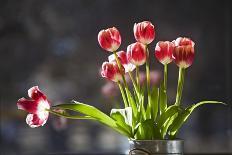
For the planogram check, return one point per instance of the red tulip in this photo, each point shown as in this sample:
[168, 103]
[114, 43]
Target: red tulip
[144, 32]
[36, 106]
[109, 39]
[163, 51]
[136, 53]
[110, 70]
[129, 67]
[183, 53]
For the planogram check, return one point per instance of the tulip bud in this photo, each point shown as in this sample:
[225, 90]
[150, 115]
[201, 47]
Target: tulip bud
[136, 53]
[183, 53]
[129, 67]
[163, 51]
[144, 32]
[111, 71]
[109, 39]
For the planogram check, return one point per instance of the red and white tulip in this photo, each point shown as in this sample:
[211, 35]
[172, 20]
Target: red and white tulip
[129, 67]
[136, 53]
[163, 51]
[111, 71]
[183, 53]
[144, 32]
[109, 39]
[36, 107]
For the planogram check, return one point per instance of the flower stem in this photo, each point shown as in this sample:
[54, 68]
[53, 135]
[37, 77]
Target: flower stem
[123, 94]
[134, 83]
[180, 85]
[165, 76]
[137, 77]
[148, 75]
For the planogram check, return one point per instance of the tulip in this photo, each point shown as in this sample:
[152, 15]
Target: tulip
[36, 107]
[144, 32]
[109, 39]
[136, 53]
[163, 51]
[111, 71]
[129, 67]
[183, 53]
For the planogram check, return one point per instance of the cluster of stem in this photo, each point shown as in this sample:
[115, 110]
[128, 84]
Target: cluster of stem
[136, 81]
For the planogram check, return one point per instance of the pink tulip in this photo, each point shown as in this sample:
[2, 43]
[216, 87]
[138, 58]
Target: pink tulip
[136, 53]
[129, 67]
[109, 39]
[36, 107]
[183, 53]
[111, 71]
[163, 51]
[144, 32]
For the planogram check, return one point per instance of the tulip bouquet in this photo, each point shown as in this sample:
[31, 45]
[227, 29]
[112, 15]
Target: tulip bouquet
[147, 113]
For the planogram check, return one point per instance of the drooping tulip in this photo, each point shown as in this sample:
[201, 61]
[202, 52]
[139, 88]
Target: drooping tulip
[136, 53]
[111, 71]
[183, 53]
[144, 32]
[163, 51]
[109, 39]
[36, 107]
[122, 56]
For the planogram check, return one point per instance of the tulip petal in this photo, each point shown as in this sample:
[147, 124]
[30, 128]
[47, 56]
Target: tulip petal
[35, 93]
[144, 32]
[122, 56]
[136, 53]
[109, 39]
[33, 120]
[27, 105]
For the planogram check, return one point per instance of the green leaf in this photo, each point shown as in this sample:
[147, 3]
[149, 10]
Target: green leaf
[155, 102]
[166, 125]
[67, 115]
[162, 98]
[141, 110]
[169, 112]
[152, 108]
[183, 116]
[132, 103]
[146, 130]
[94, 113]
[123, 117]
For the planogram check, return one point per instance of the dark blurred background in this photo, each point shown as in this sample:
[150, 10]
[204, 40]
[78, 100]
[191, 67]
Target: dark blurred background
[53, 44]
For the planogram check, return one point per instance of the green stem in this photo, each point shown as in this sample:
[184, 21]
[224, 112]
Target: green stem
[130, 99]
[165, 76]
[148, 75]
[134, 83]
[180, 85]
[123, 94]
[137, 77]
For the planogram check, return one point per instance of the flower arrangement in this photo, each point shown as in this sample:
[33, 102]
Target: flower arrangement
[147, 112]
